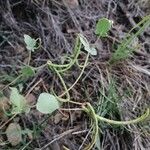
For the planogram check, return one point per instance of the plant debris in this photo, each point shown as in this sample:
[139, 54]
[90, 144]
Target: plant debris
[116, 91]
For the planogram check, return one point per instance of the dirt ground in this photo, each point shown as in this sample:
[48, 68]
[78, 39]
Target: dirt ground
[126, 83]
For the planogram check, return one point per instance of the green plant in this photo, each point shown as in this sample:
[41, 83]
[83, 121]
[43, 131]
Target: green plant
[31, 45]
[87, 107]
[124, 50]
[96, 118]
[26, 71]
[19, 104]
[47, 103]
[103, 26]
[87, 46]
[108, 100]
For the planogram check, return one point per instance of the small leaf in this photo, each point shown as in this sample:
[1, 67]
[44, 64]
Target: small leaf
[13, 133]
[84, 41]
[30, 43]
[47, 103]
[18, 102]
[93, 51]
[27, 71]
[103, 26]
[58, 117]
[9, 78]
[87, 46]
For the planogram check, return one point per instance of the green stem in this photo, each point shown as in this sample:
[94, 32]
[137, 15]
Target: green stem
[85, 64]
[95, 127]
[40, 67]
[122, 52]
[40, 42]
[64, 85]
[90, 111]
[77, 62]
[57, 65]
[29, 58]
[76, 54]
[66, 67]
[137, 120]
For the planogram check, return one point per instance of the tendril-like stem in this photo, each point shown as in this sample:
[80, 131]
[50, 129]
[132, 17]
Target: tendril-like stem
[82, 71]
[90, 111]
[137, 120]
[64, 85]
[72, 59]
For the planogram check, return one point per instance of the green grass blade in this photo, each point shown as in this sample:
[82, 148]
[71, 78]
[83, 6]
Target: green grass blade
[123, 51]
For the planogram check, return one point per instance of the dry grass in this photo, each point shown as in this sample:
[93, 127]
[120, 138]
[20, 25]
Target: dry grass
[57, 23]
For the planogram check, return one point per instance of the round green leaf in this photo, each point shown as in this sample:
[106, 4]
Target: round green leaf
[27, 71]
[47, 103]
[103, 26]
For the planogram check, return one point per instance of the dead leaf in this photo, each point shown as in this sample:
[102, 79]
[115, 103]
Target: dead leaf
[31, 99]
[2, 142]
[4, 105]
[58, 118]
[13, 133]
[72, 3]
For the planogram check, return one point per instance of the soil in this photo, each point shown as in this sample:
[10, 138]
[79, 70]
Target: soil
[57, 23]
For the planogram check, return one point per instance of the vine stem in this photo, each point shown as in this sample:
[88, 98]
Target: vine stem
[68, 66]
[90, 111]
[139, 119]
[57, 65]
[85, 64]
[64, 85]
[29, 59]
[76, 54]
[66, 91]
[71, 61]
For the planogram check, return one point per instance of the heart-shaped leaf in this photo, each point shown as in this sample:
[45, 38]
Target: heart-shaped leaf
[30, 42]
[27, 71]
[103, 26]
[47, 103]
[18, 102]
[87, 46]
